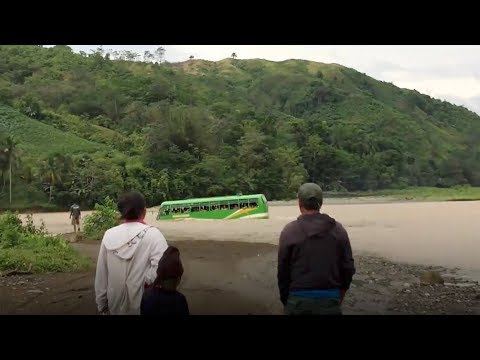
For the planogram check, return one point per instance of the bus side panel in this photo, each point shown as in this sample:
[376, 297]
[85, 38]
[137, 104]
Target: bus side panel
[260, 212]
[213, 215]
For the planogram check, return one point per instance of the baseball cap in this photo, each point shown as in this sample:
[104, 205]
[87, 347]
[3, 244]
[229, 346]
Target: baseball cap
[310, 191]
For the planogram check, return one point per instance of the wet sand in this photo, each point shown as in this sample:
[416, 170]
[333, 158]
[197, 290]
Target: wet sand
[237, 278]
[437, 233]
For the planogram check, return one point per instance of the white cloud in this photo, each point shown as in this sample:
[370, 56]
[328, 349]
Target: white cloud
[447, 72]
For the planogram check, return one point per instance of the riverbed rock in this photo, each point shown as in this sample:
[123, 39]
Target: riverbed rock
[35, 292]
[431, 277]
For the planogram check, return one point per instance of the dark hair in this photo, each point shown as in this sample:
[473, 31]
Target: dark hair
[131, 205]
[169, 268]
[312, 204]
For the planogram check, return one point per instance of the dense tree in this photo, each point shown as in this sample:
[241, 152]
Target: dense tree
[159, 54]
[201, 129]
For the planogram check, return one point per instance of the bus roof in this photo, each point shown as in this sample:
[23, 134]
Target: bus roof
[212, 199]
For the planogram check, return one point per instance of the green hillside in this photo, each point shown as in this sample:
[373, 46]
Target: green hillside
[202, 128]
[37, 140]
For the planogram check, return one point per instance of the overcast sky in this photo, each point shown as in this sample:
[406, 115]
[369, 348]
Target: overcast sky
[447, 72]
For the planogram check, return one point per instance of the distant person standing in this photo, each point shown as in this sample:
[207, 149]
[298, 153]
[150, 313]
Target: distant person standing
[315, 262]
[128, 259]
[75, 215]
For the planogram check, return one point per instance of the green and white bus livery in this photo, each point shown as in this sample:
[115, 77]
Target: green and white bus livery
[226, 207]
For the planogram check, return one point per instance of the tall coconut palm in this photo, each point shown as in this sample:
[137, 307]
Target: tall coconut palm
[234, 56]
[51, 171]
[3, 162]
[9, 156]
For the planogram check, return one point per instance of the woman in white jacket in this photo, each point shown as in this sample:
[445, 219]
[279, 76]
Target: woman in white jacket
[128, 259]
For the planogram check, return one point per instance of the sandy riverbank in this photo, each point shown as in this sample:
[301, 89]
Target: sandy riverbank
[231, 265]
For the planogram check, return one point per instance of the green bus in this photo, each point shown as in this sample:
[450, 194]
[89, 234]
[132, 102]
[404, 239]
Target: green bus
[226, 207]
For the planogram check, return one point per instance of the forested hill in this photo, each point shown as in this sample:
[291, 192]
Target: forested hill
[86, 126]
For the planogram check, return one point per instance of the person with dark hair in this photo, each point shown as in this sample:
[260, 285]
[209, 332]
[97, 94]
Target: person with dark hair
[128, 259]
[163, 298]
[315, 262]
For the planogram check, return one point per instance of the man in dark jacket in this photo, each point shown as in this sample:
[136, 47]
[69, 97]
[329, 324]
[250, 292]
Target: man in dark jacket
[315, 262]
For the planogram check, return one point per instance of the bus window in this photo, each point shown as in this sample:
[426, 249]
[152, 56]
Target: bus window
[233, 206]
[253, 205]
[224, 205]
[243, 205]
[195, 208]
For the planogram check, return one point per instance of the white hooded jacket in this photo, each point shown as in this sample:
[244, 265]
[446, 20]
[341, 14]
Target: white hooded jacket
[127, 260]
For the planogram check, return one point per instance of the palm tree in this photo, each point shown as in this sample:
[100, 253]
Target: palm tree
[234, 55]
[191, 57]
[3, 163]
[52, 171]
[10, 155]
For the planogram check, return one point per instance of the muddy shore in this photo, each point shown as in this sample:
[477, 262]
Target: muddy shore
[231, 265]
[234, 278]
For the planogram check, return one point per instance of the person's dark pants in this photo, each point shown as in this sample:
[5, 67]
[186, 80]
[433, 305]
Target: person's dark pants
[312, 306]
